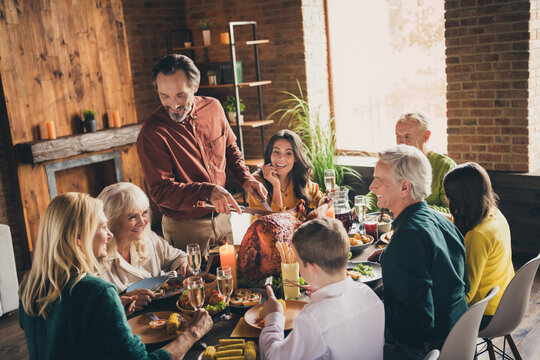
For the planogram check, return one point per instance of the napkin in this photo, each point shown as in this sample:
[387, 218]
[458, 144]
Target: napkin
[243, 329]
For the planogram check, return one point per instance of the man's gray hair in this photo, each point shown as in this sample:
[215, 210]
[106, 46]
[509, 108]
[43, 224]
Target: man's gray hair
[409, 163]
[422, 118]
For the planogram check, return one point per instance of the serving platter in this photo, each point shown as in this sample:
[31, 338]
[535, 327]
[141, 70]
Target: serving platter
[293, 308]
[140, 325]
[368, 280]
[242, 308]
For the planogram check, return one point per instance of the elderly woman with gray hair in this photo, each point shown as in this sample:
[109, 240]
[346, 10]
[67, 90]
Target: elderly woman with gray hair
[135, 252]
[423, 266]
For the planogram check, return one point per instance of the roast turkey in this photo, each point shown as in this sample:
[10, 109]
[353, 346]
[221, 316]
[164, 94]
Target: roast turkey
[258, 256]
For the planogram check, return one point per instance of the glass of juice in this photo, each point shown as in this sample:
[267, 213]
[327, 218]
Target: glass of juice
[371, 224]
[290, 272]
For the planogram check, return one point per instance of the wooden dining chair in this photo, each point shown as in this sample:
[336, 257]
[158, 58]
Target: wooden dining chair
[461, 341]
[510, 312]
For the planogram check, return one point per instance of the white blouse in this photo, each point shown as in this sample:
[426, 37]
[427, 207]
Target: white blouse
[161, 258]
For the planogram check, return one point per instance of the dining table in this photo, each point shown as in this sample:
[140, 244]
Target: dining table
[222, 329]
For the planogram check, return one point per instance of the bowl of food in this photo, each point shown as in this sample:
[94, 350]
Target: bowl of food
[214, 303]
[384, 224]
[359, 242]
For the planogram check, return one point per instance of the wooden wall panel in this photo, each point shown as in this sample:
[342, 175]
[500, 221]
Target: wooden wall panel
[58, 58]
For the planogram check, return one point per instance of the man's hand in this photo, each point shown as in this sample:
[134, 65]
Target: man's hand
[256, 189]
[271, 304]
[375, 256]
[201, 323]
[223, 200]
[144, 297]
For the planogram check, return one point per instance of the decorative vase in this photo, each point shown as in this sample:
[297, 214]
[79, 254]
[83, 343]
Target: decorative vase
[232, 118]
[90, 125]
[206, 37]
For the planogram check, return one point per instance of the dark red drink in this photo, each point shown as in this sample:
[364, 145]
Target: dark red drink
[346, 219]
[372, 228]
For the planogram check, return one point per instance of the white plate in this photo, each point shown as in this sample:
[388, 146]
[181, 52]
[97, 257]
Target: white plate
[377, 271]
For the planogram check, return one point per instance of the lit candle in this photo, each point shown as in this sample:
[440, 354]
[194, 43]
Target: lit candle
[116, 119]
[227, 258]
[225, 38]
[51, 131]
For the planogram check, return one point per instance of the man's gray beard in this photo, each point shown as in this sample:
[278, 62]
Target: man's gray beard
[180, 118]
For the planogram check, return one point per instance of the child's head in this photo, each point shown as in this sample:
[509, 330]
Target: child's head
[323, 242]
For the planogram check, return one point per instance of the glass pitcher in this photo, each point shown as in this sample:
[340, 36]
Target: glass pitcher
[342, 209]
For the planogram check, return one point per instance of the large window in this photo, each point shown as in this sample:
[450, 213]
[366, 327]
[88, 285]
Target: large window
[387, 58]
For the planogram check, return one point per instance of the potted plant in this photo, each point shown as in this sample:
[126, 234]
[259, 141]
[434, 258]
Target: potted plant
[318, 138]
[230, 108]
[90, 122]
[205, 25]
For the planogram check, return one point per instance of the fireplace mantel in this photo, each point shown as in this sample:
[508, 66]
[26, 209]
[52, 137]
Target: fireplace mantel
[36, 152]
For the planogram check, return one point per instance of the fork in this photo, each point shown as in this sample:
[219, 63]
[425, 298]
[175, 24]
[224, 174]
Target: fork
[152, 316]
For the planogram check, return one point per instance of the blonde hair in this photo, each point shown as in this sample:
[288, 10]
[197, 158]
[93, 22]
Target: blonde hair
[118, 200]
[63, 250]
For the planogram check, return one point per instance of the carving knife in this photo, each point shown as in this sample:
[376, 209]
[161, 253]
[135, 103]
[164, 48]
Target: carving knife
[264, 203]
[248, 210]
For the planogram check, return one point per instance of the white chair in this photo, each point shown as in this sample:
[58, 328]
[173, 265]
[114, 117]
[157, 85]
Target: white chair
[9, 298]
[461, 341]
[511, 309]
[432, 355]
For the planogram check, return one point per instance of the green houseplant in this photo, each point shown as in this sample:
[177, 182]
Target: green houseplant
[90, 122]
[318, 137]
[230, 108]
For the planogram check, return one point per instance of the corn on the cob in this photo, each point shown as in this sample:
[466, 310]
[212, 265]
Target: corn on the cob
[174, 324]
[231, 347]
[231, 341]
[250, 351]
[226, 353]
[209, 353]
[232, 358]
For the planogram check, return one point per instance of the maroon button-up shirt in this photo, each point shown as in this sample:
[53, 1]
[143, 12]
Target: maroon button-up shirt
[182, 162]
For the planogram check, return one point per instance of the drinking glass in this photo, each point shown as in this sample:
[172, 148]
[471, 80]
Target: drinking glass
[195, 286]
[194, 258]
[225, 287]
[290, 272]
[371, 224]
[360, 207]
[330, 179]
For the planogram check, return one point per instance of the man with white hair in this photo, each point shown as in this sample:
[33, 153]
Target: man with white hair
[423, 266]
[413, 129]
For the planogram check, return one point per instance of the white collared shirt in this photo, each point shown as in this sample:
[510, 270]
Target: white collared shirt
[344, 320]
[162, 257]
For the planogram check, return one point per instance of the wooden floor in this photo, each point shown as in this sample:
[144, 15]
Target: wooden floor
[526, 336]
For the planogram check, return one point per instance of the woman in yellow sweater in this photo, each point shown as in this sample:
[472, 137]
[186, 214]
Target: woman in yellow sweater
[286, 174]
[473, 204]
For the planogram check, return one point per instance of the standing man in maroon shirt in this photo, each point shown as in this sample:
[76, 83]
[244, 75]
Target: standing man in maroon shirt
[185, 147]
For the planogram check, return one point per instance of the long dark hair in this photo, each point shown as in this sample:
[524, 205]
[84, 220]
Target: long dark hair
[301, 171]
[470, 195]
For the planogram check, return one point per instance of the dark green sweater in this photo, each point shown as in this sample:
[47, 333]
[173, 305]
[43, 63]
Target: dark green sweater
[423, 270]
[89, 323]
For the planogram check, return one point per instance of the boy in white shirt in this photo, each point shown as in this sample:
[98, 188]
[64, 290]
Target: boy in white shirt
[344, 319]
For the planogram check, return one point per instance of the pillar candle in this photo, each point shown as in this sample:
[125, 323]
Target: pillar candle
[225, 38]
[51, 131]
[227, 257]
[116, 119]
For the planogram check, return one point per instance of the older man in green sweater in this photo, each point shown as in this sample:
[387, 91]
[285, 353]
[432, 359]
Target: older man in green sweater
[413, 129]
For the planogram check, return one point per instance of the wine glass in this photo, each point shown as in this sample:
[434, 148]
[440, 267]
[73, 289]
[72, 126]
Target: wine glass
[360, 207]
[195, 286]
[225, 287]
[330, 179]
[194, 258]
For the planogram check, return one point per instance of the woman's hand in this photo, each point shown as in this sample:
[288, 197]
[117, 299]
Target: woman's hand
[183, 270]
[144, 297]
[269, 173]
[128, 302]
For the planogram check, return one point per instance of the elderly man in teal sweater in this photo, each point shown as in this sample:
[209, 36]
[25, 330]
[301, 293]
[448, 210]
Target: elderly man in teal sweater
[413, 129]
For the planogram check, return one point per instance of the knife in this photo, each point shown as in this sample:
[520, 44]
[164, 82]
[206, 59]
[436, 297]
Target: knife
[265, 204]
[248, 210]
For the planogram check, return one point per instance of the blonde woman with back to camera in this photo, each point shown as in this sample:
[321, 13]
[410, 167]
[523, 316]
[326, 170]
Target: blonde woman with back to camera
[135, 252]
[67, 312]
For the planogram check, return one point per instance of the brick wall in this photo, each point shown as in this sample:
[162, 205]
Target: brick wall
[487, 73]
[534, 86]
[146, 22]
